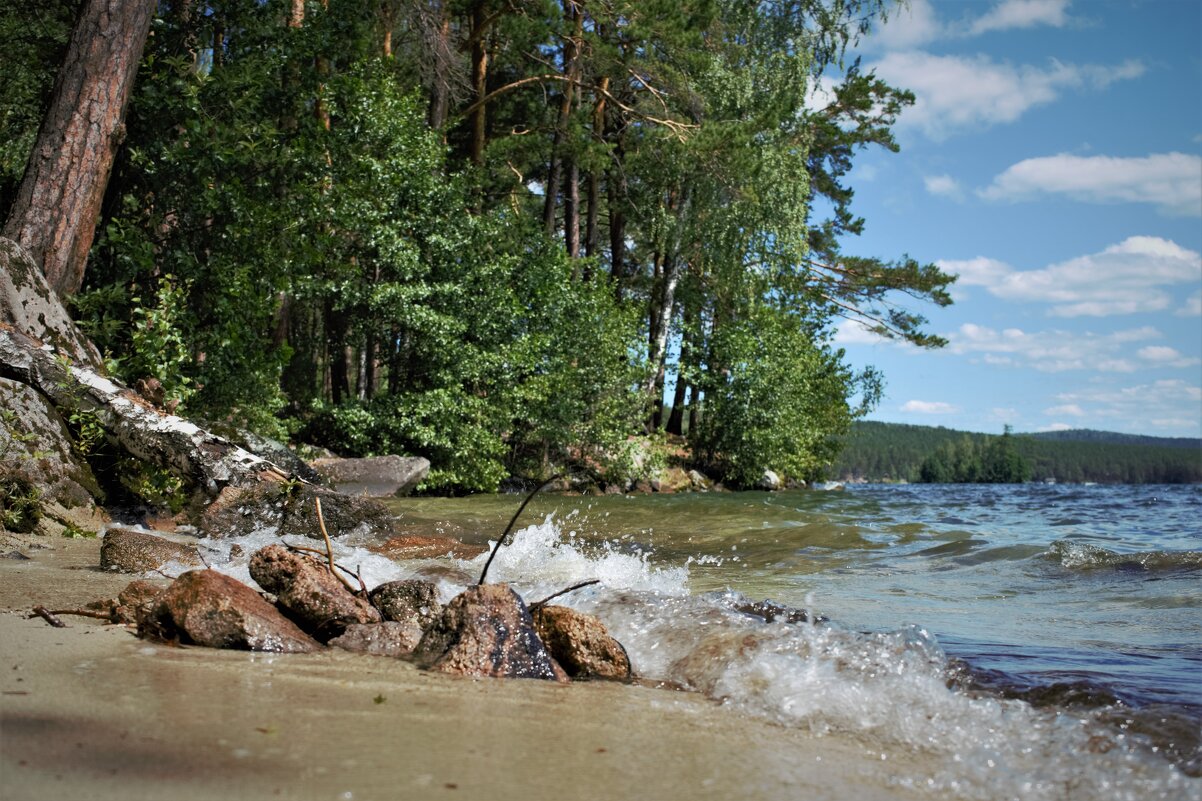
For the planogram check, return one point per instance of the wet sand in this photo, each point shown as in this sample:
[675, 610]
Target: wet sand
[91, 712]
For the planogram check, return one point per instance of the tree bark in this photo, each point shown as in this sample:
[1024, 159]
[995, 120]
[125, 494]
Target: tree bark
[479, 81]
[54, 216]
[571, 52]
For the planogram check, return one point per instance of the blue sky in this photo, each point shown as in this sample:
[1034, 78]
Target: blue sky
[1053, 160]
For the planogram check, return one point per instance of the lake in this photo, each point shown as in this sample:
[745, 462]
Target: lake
[1040, 641]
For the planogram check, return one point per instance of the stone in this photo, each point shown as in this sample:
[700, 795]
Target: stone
[137, 601]
[289, 508]
[127, 551]
[769, 481]
[208, 608]
[408, 600]
[770, 612]
[581, 644]
[308, 593]
[390, 638]
[376, 476]
[487, 631]
[699, 481]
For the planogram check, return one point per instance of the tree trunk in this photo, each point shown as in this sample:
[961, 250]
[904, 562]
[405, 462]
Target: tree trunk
[591, 233]
[54, 216]
[662, 310]
[572, 15]
[479, 81]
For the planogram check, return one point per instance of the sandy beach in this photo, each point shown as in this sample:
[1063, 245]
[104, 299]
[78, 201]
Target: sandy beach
[91, 712]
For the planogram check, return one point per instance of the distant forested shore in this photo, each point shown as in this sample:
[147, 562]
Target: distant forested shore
[877, 451]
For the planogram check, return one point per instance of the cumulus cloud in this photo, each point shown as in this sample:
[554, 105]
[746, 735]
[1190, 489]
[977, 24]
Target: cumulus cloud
[1167, 357]
[1130, 277]
[1057, 427]
[1071, 409]
[955, 93]
[1192, 306]
[1169, 181]
[943, 185]
[928, 407]
[1052, 351]
[908, 27]
[1012, 14]
[1170, 404]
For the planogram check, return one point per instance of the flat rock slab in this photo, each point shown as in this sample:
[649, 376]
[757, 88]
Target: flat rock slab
[376, 476]
[289, 508]
[214, 610]
[127, 551]
[309, 593]
[408, 600]
[487, 630]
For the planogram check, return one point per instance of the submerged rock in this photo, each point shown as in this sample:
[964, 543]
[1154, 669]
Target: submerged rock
[487, 631]
[581, 644]
[309, 593]
[127, 551]
[211, 609]
[414, 546]
[390, 638]
[289, 508]
[376, 476]
[411, 600]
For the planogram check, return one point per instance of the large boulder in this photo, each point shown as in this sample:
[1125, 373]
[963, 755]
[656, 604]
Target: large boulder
[581, 644]
[127, 551]
[376, 476]
[390, 638]
[409, 600]
[770, 481]
[309, 593]
[289, 508]
[211, 609]
[487, 631]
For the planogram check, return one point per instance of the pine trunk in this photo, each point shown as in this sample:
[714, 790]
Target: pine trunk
[54, 215]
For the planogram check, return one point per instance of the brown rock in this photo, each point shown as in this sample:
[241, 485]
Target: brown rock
[289, 507]
[309, 593]
[377, 476]
[421, 547]
[487, 631]
[137, 601]
[390, 638]
[409, 600]
[128, 551]
[211, 609]
[581, 644]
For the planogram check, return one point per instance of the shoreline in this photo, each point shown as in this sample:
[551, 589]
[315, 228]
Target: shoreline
[90, 711]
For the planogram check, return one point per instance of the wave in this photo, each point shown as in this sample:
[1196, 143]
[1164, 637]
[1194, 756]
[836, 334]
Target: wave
[1084, 556]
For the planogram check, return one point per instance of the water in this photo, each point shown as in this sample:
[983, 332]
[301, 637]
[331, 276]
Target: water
[1041, 641]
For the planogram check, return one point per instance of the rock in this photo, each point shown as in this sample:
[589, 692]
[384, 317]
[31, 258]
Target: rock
[419, 547]
[390, 638]
[487, 631]
[272, 450]
[211, 609]
[581, 644]
[309, 593]
[127, 551]
[671, 479]
[699, 481]
[409, 600]
[769, 481]
[376, 476]
[37, 452]
[770, 611]
[137, 601]
[288, 508]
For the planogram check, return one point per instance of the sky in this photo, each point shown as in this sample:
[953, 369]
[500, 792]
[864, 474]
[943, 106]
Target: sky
[1053, 160]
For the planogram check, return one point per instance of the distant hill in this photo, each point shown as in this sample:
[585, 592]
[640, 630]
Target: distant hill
[894, 452]
[1110, 437]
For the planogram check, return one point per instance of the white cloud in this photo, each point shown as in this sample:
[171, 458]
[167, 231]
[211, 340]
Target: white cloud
[1126, 278]
[1011, 14]
[954, 93]
[1053, 351]
[1192, 306]
[928, 407]
[1057, 427]
[1070, 409]
[943, 185]
[1170, 181]
[907, 27]
[1166, 356]
[1170, 404]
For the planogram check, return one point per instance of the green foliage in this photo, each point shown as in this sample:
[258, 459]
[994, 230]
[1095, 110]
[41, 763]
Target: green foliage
[150, 484]
[73, 532]
[20, 505]
[974, 461]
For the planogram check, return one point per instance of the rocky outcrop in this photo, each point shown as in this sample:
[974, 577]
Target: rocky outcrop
[309, 593]
[410, 600]
[390, 638]
[487, 631]
[581, 644]
[288, 508]
[208, 608]
[376, 476]
[127, 551]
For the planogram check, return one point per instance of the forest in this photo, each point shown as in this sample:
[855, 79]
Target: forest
[512, 236]
[892, 452]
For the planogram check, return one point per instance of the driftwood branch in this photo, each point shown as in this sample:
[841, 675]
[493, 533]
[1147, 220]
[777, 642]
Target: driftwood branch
[564, 591]
[502, 541]
[48, 616]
